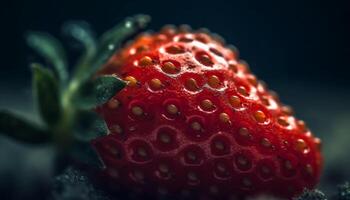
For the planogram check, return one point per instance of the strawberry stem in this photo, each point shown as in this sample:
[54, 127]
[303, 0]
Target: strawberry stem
[66, 107]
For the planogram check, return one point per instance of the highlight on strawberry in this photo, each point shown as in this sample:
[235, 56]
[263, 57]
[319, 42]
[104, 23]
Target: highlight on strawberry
[170, 114]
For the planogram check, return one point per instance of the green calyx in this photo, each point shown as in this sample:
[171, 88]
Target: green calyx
[66, 101]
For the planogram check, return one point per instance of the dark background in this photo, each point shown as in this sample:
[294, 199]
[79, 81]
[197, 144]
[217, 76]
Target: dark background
[282, 40]
[300, 48]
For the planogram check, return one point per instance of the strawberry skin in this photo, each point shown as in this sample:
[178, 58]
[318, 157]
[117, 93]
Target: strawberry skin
[194, 120]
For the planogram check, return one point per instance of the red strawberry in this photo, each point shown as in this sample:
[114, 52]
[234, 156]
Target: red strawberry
[194, 119]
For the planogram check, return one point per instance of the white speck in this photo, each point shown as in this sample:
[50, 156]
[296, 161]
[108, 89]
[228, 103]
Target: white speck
[111, 46]
[128, 24]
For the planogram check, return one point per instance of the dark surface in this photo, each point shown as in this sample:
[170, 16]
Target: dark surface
[300, 48]
[312, 195]
[74, 184]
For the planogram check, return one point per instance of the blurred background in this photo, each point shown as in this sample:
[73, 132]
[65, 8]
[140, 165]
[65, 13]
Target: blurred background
[300, 48]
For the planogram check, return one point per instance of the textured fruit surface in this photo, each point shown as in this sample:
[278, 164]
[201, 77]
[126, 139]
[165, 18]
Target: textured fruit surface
[194, 120]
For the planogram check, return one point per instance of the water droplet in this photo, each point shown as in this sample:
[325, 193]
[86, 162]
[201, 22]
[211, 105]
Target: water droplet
[111, 47]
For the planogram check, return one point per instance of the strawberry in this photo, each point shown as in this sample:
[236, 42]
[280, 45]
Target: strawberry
[194, 120]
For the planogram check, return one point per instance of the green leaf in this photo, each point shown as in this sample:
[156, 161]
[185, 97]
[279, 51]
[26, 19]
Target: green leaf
[81, 32]
[85, 153]
[89, 126]
[52, 50]
[21, 130]
[109, 42]
[99, 91]
[46, 92]
[124, 29]
[106, 87]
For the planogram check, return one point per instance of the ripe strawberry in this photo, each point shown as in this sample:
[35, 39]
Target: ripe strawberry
[194, 119]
